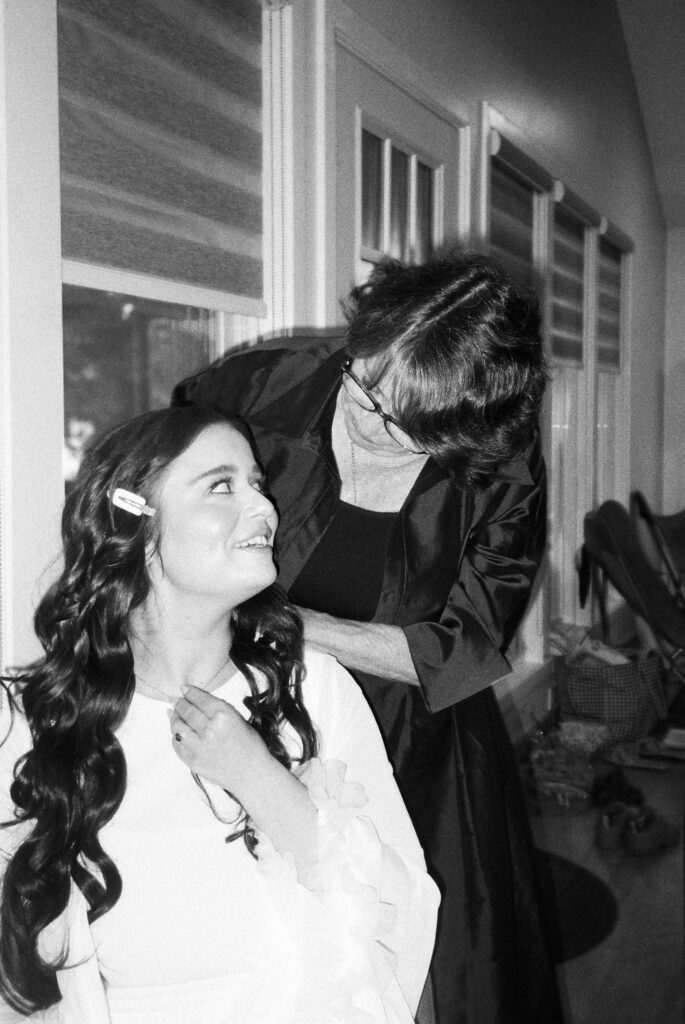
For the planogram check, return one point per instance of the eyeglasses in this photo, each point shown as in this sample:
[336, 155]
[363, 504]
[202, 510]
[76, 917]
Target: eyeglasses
[359, 393]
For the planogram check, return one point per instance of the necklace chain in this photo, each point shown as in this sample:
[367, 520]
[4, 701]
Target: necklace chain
[201, 686]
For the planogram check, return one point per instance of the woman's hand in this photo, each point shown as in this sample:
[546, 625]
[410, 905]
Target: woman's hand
[368, 646]
[216, 742]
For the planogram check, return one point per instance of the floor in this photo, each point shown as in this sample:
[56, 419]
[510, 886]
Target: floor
[636, 975]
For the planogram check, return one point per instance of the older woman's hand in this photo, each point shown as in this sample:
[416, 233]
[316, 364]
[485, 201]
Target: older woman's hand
[216, 742]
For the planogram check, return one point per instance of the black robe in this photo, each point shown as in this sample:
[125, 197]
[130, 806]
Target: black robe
[458, 572]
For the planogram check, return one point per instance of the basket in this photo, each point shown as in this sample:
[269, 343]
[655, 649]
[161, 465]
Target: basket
[628, 699]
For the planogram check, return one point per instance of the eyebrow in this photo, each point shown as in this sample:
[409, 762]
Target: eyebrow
[229, 470]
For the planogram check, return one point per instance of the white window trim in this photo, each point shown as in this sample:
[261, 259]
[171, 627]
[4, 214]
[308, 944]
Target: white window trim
[112, 279]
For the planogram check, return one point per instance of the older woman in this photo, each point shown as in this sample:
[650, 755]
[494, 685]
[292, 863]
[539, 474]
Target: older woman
[407, 472]
[173, 712]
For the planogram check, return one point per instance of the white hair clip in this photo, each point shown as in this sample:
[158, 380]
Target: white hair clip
[131, 502]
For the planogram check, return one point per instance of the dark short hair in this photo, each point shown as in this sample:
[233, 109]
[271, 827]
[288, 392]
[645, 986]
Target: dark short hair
[461, 342]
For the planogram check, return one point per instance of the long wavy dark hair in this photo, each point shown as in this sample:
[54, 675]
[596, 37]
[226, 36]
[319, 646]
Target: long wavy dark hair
[73, 779]
[461, 341]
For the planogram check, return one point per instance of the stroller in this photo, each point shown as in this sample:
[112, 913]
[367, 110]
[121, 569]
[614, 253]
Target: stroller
[613, 552]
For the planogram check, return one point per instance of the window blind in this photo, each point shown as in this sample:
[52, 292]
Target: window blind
[568, 284]
[161, 141]
[515, 182]
[512, 218]
[609, 305]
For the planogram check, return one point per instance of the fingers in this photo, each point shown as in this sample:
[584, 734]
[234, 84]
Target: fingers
[181, 732]
[193, 717]
[189, 722]
[203, 701]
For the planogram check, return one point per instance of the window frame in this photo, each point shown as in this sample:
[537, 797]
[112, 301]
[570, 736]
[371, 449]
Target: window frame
[392, 140]
[497, 138]
[31, 343]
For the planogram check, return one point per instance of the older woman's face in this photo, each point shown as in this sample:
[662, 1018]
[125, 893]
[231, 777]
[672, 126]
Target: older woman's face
[216, 525]
[364, 426]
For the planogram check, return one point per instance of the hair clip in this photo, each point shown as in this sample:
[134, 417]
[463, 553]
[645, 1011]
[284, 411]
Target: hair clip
[131, 502]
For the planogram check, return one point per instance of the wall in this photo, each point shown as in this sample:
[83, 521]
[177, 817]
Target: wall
[31, 409]
[674, 406]
[560, 74]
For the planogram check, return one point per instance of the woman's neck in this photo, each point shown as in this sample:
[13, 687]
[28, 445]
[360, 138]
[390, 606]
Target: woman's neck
[379, 481]
[170, 653]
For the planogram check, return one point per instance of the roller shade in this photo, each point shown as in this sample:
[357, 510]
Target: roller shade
[161, 142]
[568, 284]
[512, 218]
[609, 305]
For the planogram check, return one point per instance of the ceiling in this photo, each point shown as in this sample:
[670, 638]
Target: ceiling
[655, 36]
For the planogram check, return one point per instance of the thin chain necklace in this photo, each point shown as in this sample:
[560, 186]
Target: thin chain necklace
[169, 697]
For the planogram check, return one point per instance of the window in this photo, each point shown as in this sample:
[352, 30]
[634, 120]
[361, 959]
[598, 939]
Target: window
[401, 164]
[512, 220]
[123, 355]
[610, 329]
[569, 485]
[550, 238]
[517, 215]
[517, 211]
[161, 167]
[161, 196]
[397, 209]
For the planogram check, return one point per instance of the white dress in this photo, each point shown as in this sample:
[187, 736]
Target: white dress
[204, 933]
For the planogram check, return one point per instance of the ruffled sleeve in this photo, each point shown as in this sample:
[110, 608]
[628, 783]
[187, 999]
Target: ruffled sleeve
[367, 908]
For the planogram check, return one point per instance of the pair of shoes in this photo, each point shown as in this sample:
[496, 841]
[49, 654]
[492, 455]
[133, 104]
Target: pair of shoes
[642, 830]
[612, 787]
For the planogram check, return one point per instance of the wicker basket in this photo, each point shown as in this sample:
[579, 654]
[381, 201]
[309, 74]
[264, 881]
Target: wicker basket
[629, 698]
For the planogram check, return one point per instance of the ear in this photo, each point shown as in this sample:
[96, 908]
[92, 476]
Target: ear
[153, 558]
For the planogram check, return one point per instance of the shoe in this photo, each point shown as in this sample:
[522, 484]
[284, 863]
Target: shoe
[648, 832]
[613, 786]
[610, 826]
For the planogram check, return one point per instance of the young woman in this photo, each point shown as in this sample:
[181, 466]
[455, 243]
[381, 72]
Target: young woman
[173, 712]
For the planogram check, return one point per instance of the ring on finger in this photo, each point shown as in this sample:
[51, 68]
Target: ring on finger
[178, 736]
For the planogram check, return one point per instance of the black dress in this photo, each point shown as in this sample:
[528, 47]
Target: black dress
[456, 574]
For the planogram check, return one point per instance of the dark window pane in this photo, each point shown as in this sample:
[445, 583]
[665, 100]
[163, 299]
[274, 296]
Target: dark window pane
[424, 212]
[122, 356]
[399, 205]
[372, 189]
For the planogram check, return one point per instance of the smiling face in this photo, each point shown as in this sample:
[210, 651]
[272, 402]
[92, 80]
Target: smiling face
[216, 526]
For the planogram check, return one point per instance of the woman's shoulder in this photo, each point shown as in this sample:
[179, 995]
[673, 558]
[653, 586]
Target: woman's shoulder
[324, 666]
[328, 689]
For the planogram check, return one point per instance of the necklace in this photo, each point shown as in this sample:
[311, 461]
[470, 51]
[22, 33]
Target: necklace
[168, 697]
